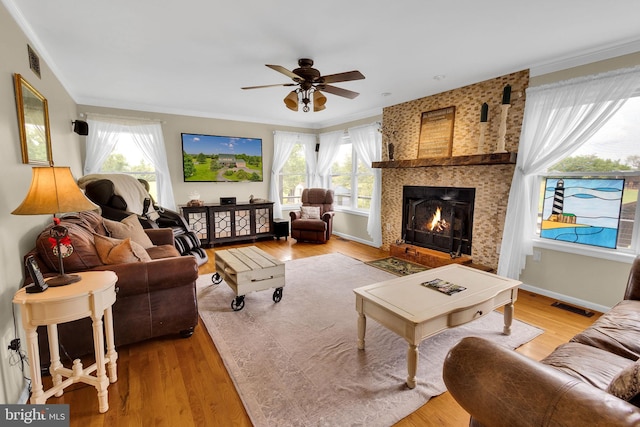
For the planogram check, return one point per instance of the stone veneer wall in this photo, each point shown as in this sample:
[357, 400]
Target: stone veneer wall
[401, 123]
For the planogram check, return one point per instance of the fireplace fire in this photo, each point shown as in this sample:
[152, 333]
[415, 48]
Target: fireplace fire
[439, 218]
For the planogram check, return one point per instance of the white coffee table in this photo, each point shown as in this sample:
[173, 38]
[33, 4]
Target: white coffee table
[416, 312]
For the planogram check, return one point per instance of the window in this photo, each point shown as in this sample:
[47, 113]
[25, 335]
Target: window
[351, 180]
[127, 158]
[611, 153]
[293, 176]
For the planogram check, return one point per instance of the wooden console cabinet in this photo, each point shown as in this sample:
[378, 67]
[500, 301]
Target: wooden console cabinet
[216, 224]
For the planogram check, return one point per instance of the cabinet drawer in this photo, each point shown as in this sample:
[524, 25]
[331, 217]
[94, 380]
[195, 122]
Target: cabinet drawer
[470, 313]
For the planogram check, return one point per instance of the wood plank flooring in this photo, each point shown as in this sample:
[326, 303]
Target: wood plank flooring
[183, 382]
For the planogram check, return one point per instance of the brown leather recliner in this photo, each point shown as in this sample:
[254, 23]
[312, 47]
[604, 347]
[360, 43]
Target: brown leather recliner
[314, 221]
[154, 299]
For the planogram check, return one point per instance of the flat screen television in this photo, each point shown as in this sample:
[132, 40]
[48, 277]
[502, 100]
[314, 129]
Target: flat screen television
[213, 158]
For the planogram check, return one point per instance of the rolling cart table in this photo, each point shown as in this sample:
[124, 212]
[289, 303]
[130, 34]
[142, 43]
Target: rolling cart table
[248, 270]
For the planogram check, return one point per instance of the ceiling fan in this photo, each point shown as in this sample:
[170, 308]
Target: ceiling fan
[310, 84]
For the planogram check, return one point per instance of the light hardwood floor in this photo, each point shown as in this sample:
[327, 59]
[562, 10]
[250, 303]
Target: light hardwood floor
[183, 382]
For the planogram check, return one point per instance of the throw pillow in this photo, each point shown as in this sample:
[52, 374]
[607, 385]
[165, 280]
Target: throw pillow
[626, 385]
[310, 212]
[128, 227]
[115, 251]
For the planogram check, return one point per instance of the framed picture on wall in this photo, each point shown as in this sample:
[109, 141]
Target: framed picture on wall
[33, 122]
[436, 133]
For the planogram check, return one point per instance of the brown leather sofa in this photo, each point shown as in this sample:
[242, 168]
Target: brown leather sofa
[154, 298]
[500, 387]
[320, 228]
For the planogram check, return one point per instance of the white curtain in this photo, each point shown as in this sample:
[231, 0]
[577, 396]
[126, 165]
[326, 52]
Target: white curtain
[329, 149]
[283, 143]
[149, 139]
[104, 135]
[558, 119]
[367, 141]
[102, 138]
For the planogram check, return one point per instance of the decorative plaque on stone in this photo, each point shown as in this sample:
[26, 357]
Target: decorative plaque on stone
[436, 133]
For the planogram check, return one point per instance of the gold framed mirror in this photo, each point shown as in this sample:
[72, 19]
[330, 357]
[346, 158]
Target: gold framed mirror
[33, 121]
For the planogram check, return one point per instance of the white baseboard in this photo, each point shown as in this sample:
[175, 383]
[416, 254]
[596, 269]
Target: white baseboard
[355, 239]
[565, 298]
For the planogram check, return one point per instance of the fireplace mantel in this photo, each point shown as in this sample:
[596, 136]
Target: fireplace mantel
[476, 159]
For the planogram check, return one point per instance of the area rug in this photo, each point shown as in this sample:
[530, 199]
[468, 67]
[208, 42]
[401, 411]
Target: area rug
[296, 362]
[397, 266]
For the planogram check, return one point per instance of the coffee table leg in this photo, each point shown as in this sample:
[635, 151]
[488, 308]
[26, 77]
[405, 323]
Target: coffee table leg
[412, 364]
[362, 328]
[508, 317]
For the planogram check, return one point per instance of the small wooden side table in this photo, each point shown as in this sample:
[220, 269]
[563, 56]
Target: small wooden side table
[92, 297]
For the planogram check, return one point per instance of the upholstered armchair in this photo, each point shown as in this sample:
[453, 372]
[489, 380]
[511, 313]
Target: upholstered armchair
[314, 221]
[120, 195]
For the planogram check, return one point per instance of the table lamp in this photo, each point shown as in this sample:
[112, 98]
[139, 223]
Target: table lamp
[53, 191]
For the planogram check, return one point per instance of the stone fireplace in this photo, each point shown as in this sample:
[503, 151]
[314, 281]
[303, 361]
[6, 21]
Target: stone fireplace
[439, 218]
[472, 165]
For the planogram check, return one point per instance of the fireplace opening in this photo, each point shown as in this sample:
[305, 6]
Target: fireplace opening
[439, 218]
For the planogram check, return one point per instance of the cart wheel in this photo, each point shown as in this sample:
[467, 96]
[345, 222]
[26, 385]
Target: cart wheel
[216, 278]
[238, 303]
[277, 295]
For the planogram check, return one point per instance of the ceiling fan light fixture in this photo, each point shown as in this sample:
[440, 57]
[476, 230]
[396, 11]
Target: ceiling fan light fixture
[318, 101]
[291, 100]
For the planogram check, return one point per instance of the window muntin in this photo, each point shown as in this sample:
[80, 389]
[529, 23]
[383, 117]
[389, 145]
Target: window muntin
[351, 180]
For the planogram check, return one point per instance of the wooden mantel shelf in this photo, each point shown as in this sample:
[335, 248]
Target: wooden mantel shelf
[473, 160]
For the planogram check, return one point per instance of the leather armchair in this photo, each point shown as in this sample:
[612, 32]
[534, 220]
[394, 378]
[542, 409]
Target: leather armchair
[304, 228]
[132, 197]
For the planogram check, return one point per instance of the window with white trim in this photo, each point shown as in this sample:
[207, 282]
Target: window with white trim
[351, 180]
[293, 177]
[127, 158]
[612, 152]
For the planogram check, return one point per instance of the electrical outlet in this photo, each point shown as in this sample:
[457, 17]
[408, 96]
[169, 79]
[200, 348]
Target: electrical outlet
[537, 255]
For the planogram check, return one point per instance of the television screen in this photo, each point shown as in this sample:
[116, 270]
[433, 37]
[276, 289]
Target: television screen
[212, 158]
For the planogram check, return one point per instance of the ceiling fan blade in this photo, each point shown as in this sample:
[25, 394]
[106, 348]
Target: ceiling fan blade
[284, 71]
[260, 87]
[338, 91]
[343, 77]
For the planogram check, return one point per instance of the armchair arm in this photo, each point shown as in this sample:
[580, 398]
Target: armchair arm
[326, 217]
[500, 387]
[140, 277]
[633, 284]
[160, 236]
[295, 215]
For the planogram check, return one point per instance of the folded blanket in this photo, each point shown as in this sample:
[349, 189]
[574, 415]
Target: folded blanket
[127, 187]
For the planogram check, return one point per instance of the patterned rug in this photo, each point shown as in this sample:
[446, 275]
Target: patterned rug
[397, 266]
[296, 363]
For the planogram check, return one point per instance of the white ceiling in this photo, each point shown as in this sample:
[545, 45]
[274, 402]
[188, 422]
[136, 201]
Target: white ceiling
[192, 57]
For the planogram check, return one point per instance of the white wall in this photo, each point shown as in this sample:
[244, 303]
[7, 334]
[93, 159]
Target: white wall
[18, 233]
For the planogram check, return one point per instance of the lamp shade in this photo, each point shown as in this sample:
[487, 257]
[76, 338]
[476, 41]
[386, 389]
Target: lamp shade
[291, 100]
[318, 101]
[53, 190]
